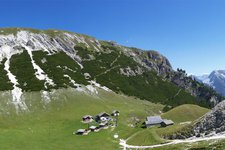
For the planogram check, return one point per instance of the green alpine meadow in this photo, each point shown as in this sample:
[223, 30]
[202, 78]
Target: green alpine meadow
[64, 90]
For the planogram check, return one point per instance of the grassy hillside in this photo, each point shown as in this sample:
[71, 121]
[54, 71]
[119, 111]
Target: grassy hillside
[186, 112]
[183, 113]
[51, 127]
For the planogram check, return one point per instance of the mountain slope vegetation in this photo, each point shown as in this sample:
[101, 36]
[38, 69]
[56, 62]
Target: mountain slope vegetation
[34, 60]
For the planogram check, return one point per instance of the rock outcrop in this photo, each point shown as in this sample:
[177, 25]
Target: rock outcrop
[212, 122]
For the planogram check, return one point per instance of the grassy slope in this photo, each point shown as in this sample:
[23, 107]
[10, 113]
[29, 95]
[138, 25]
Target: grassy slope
[186, 112]
[52, 128]
[179, 114]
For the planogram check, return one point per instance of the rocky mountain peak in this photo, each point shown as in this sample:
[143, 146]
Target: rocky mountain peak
[216, 80]
[217, 74]
[157, 61]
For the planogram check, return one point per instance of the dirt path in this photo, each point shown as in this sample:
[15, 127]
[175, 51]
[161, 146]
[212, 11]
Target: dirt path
[173, 142]
[105, 72]
[108, 70]
[116, 59]
[177, 93]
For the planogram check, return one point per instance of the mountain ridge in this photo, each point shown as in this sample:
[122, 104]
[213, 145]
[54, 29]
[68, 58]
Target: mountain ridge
[35, 60]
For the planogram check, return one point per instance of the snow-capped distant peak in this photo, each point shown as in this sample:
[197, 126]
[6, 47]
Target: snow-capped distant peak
[218, 74]
[203, 77]
[216, 80]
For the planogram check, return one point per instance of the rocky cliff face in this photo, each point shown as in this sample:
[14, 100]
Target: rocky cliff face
[152, 60]
[157, 61]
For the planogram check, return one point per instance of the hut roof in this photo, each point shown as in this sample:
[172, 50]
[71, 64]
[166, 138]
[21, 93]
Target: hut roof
[102, 124]
[154, 120]
[103, 114]
[87, 116]
[168, 122]
[81, 131]
[93, 127]
[115, 111]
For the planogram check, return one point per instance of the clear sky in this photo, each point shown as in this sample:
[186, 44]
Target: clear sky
[191, 33]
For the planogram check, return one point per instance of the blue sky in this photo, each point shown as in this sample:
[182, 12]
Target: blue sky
[191, 33]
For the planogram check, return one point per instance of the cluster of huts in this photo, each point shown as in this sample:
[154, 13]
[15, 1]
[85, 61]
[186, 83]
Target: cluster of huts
[157, 120]
[101, 121]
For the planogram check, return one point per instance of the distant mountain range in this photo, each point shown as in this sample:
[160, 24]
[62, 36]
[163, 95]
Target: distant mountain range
[216, 80]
